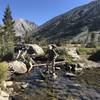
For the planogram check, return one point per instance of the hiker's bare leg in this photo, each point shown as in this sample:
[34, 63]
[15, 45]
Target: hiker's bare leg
[47, 65]
[19, 53]
[31, 62]
[54, 76]
[53, 66]
[31, 66]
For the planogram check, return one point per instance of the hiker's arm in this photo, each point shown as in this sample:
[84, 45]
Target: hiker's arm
[23, 55]
[19, 52]
[56, 54]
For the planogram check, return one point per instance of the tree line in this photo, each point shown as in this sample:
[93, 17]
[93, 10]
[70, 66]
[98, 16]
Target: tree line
[7, 33]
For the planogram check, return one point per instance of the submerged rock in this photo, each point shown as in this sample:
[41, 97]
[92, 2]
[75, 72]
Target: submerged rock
[70, 74]
[24, 85]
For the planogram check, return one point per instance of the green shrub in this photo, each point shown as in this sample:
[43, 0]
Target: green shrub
[59, 43]
[7, 57]
[63, 54]
[3, 71]
[85, 51]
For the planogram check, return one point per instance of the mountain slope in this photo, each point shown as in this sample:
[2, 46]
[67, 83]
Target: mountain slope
[22, 26]
[67, 26]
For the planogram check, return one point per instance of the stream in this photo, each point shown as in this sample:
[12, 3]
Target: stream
[30, 86]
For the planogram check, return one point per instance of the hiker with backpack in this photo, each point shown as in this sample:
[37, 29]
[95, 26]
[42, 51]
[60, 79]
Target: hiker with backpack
[51, 57]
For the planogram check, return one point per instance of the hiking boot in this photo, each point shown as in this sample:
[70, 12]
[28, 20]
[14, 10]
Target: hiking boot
[54, 76]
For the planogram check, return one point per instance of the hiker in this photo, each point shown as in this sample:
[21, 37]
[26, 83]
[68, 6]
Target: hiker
[26, 54]
[51, 57]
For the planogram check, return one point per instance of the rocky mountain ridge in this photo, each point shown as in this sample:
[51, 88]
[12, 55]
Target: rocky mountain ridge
[73, 25]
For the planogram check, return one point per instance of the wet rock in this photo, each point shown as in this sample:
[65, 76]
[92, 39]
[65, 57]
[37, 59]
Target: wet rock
[73, 88]
[38, 80]
[71, 97]
[24, 85]
[4, 95]
[84, 98]
[80, 65]
[77, 85]
[57, 68]
[69, 74]
[77, 67]
[9, 83]
[93, 94]
[10, 90]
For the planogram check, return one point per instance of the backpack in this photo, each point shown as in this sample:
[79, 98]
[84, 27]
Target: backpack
[30, 50]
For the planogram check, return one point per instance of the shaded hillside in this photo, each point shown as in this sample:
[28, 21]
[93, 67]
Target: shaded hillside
[67, 26]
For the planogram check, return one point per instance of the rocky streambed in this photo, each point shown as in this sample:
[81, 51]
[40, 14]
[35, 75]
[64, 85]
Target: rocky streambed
[31, 86]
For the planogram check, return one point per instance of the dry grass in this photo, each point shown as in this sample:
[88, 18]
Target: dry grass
[3, 71]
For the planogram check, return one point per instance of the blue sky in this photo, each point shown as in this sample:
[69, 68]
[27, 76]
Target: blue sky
[38, 11]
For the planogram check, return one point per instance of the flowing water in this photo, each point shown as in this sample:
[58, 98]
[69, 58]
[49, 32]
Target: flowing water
[82, 87]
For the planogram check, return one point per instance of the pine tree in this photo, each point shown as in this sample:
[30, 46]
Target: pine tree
[0, 36]
[9, 33]
[1, 41]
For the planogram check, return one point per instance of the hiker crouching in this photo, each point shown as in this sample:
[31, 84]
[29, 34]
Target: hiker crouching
[26, 54]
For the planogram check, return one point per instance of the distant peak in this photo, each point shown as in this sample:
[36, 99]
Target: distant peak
[20, 19]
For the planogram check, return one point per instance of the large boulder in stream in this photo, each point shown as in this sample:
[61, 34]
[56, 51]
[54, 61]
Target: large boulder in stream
[38, 50]
[18, 67]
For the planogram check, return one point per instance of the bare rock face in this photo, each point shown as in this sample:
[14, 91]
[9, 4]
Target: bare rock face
[22, 26]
